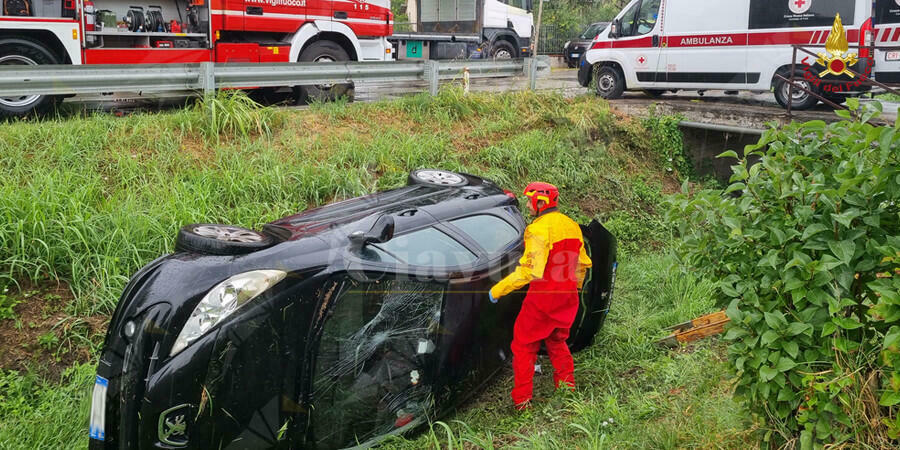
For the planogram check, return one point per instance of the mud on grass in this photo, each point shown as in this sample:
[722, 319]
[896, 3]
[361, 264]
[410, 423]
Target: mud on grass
[41, 337]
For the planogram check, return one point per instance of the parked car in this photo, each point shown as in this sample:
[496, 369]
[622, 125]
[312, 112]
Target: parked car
[574, 49]
[330, 328]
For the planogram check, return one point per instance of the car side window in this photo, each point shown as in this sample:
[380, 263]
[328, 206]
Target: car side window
[428, 247]
[373, 364]
[490, 232]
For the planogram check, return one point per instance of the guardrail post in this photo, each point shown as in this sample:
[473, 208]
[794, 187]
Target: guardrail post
[530, 68]
[207, 78]
[432, 76]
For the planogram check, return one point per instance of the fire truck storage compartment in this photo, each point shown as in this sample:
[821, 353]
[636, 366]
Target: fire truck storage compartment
[46, 8]
[156, 13]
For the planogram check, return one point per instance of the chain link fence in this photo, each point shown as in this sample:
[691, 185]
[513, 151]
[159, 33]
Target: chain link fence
[553, 37]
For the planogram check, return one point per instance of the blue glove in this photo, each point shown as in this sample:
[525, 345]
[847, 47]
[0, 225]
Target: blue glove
[491, 296]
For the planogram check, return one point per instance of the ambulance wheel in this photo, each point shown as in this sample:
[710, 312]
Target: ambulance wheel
[323, 52]
[655, 93]
[800, 100]
[25, 52]
[610, 83]
[839, 99]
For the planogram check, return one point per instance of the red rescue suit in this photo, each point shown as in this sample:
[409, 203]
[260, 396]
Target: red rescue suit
[554, 264]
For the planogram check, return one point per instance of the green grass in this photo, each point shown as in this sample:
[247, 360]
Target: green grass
[89, 200]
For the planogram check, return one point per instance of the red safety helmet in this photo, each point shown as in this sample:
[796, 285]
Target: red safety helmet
[546, 192]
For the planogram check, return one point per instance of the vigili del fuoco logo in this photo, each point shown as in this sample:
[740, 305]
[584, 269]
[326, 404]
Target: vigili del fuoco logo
[836, 61]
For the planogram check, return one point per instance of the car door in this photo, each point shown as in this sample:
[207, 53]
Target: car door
[596, 293]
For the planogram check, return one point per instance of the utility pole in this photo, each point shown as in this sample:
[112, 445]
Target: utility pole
[537, 30]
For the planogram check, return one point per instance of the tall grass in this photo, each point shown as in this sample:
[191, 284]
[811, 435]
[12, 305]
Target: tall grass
[90, 200]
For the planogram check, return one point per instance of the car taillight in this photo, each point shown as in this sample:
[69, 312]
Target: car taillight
[866, 38]
[869, 39]
[509, 193]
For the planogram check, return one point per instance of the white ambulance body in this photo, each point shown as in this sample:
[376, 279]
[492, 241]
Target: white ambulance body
[668, 45]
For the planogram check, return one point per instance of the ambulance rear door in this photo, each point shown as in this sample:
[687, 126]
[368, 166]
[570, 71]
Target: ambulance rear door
[887, 41]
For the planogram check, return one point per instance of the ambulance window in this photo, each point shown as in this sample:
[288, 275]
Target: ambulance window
[641, 18]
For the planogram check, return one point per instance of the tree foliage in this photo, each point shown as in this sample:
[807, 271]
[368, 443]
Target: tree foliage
[805, 246]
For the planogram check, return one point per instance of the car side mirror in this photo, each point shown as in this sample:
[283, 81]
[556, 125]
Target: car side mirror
[614, 28]
[382, 231]
[529, 5]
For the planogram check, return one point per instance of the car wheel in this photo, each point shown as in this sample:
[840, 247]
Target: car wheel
[25, 52]
[217, 239]
[324, 52]
[435, 177]
[503, 50]
[655, 93]
[800, 100]
[610, 83]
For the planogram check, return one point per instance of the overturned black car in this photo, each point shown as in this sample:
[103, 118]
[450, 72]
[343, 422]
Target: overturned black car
[331, 328]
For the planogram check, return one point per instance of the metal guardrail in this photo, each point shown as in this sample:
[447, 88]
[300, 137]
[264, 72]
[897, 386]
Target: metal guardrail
[206, 77]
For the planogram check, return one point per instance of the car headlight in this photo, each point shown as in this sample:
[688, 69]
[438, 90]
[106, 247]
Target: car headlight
[567, 44]
[223, 300]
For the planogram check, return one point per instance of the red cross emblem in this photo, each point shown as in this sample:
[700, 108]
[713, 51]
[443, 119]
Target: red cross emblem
[641, 59]
[799, 6]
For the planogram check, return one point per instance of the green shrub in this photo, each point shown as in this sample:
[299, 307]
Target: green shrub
[805, 246]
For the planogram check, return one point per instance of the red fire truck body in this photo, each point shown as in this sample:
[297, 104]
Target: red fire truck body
[34, 32]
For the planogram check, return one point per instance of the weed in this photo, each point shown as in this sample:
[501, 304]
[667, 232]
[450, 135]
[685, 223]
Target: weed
[48, 341]
[7, 304]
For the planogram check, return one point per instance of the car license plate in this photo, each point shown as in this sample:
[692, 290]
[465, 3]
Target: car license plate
[892, 56]
[575, 55]
[98, 409]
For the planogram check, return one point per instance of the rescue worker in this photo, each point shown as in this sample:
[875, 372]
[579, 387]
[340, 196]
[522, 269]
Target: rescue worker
[554, 264]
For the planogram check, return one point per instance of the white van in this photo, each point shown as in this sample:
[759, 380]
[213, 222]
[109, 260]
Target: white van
[669, 45]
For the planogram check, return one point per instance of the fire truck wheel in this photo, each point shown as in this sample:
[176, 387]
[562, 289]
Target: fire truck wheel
[610, 83]
[323, 51]
[25, 52]
[800, 100]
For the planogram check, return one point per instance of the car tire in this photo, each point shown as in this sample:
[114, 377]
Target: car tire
[436, 177]
[324, 51]
[22, 51]
[610, 83]
[218, 239]
[502, 50]
[654, 93]
[801, 100]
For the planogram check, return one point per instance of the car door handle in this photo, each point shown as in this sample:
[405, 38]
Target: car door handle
[656, 40]
[255, 10]
[340, 14]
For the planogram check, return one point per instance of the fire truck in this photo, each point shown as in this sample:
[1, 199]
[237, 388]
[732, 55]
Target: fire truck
[34, 32]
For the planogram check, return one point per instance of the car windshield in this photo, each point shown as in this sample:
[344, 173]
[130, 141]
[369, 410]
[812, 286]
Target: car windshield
[592, 31]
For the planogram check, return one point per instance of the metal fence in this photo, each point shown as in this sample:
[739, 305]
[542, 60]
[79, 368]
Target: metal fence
[553, 37]
[206, 77]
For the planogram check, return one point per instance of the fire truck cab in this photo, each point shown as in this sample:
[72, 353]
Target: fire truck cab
[668, 45]
[35, 32]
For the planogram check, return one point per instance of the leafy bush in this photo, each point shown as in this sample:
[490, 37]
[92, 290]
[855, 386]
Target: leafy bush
[805, 246]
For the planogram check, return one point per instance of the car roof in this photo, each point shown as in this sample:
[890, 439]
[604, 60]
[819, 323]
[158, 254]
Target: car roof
[413, 207]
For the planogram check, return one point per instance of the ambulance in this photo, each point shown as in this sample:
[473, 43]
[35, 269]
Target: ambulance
[669, 45]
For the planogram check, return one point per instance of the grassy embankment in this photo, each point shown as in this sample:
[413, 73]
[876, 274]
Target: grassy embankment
[85, 202]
